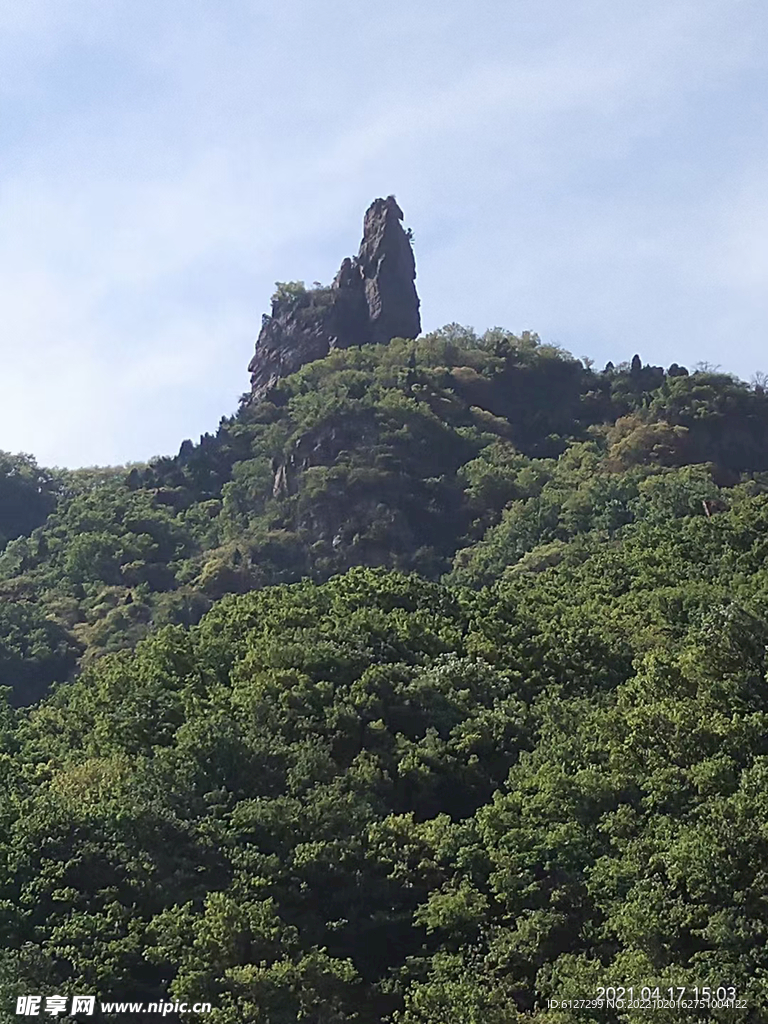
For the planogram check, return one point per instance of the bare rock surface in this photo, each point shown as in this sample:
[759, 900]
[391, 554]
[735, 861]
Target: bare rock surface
[372, 300]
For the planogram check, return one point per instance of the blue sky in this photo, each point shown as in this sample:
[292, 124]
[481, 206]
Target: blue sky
[596, 171]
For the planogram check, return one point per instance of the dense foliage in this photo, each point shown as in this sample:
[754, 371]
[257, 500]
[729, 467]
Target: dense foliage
[429, 690]
[451, 455]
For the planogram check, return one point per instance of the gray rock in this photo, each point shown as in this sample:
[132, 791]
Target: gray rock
[389, 271]
[372, 300]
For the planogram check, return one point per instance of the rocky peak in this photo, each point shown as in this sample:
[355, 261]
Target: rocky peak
[372, 300]
[388, 269]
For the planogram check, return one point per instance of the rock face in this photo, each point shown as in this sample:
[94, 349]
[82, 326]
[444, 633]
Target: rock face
[372, 300]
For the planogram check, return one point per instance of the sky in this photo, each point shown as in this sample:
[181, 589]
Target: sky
[594, 171]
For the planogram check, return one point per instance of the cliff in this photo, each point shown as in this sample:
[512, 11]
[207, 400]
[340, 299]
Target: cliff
[372, 300]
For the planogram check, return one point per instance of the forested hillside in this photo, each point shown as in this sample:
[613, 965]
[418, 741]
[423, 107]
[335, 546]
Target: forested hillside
[430, 688]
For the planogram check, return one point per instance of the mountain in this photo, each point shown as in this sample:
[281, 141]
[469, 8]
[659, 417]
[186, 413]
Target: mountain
[430, 689]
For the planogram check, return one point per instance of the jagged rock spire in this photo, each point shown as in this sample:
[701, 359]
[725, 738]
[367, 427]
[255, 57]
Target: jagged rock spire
[372, 300]
[389, 271]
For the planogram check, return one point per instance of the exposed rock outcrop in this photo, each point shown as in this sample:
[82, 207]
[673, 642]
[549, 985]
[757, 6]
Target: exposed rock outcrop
[372, 300]
[388, 271]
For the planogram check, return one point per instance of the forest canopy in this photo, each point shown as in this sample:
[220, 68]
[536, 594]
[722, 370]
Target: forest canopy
[429, 689]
